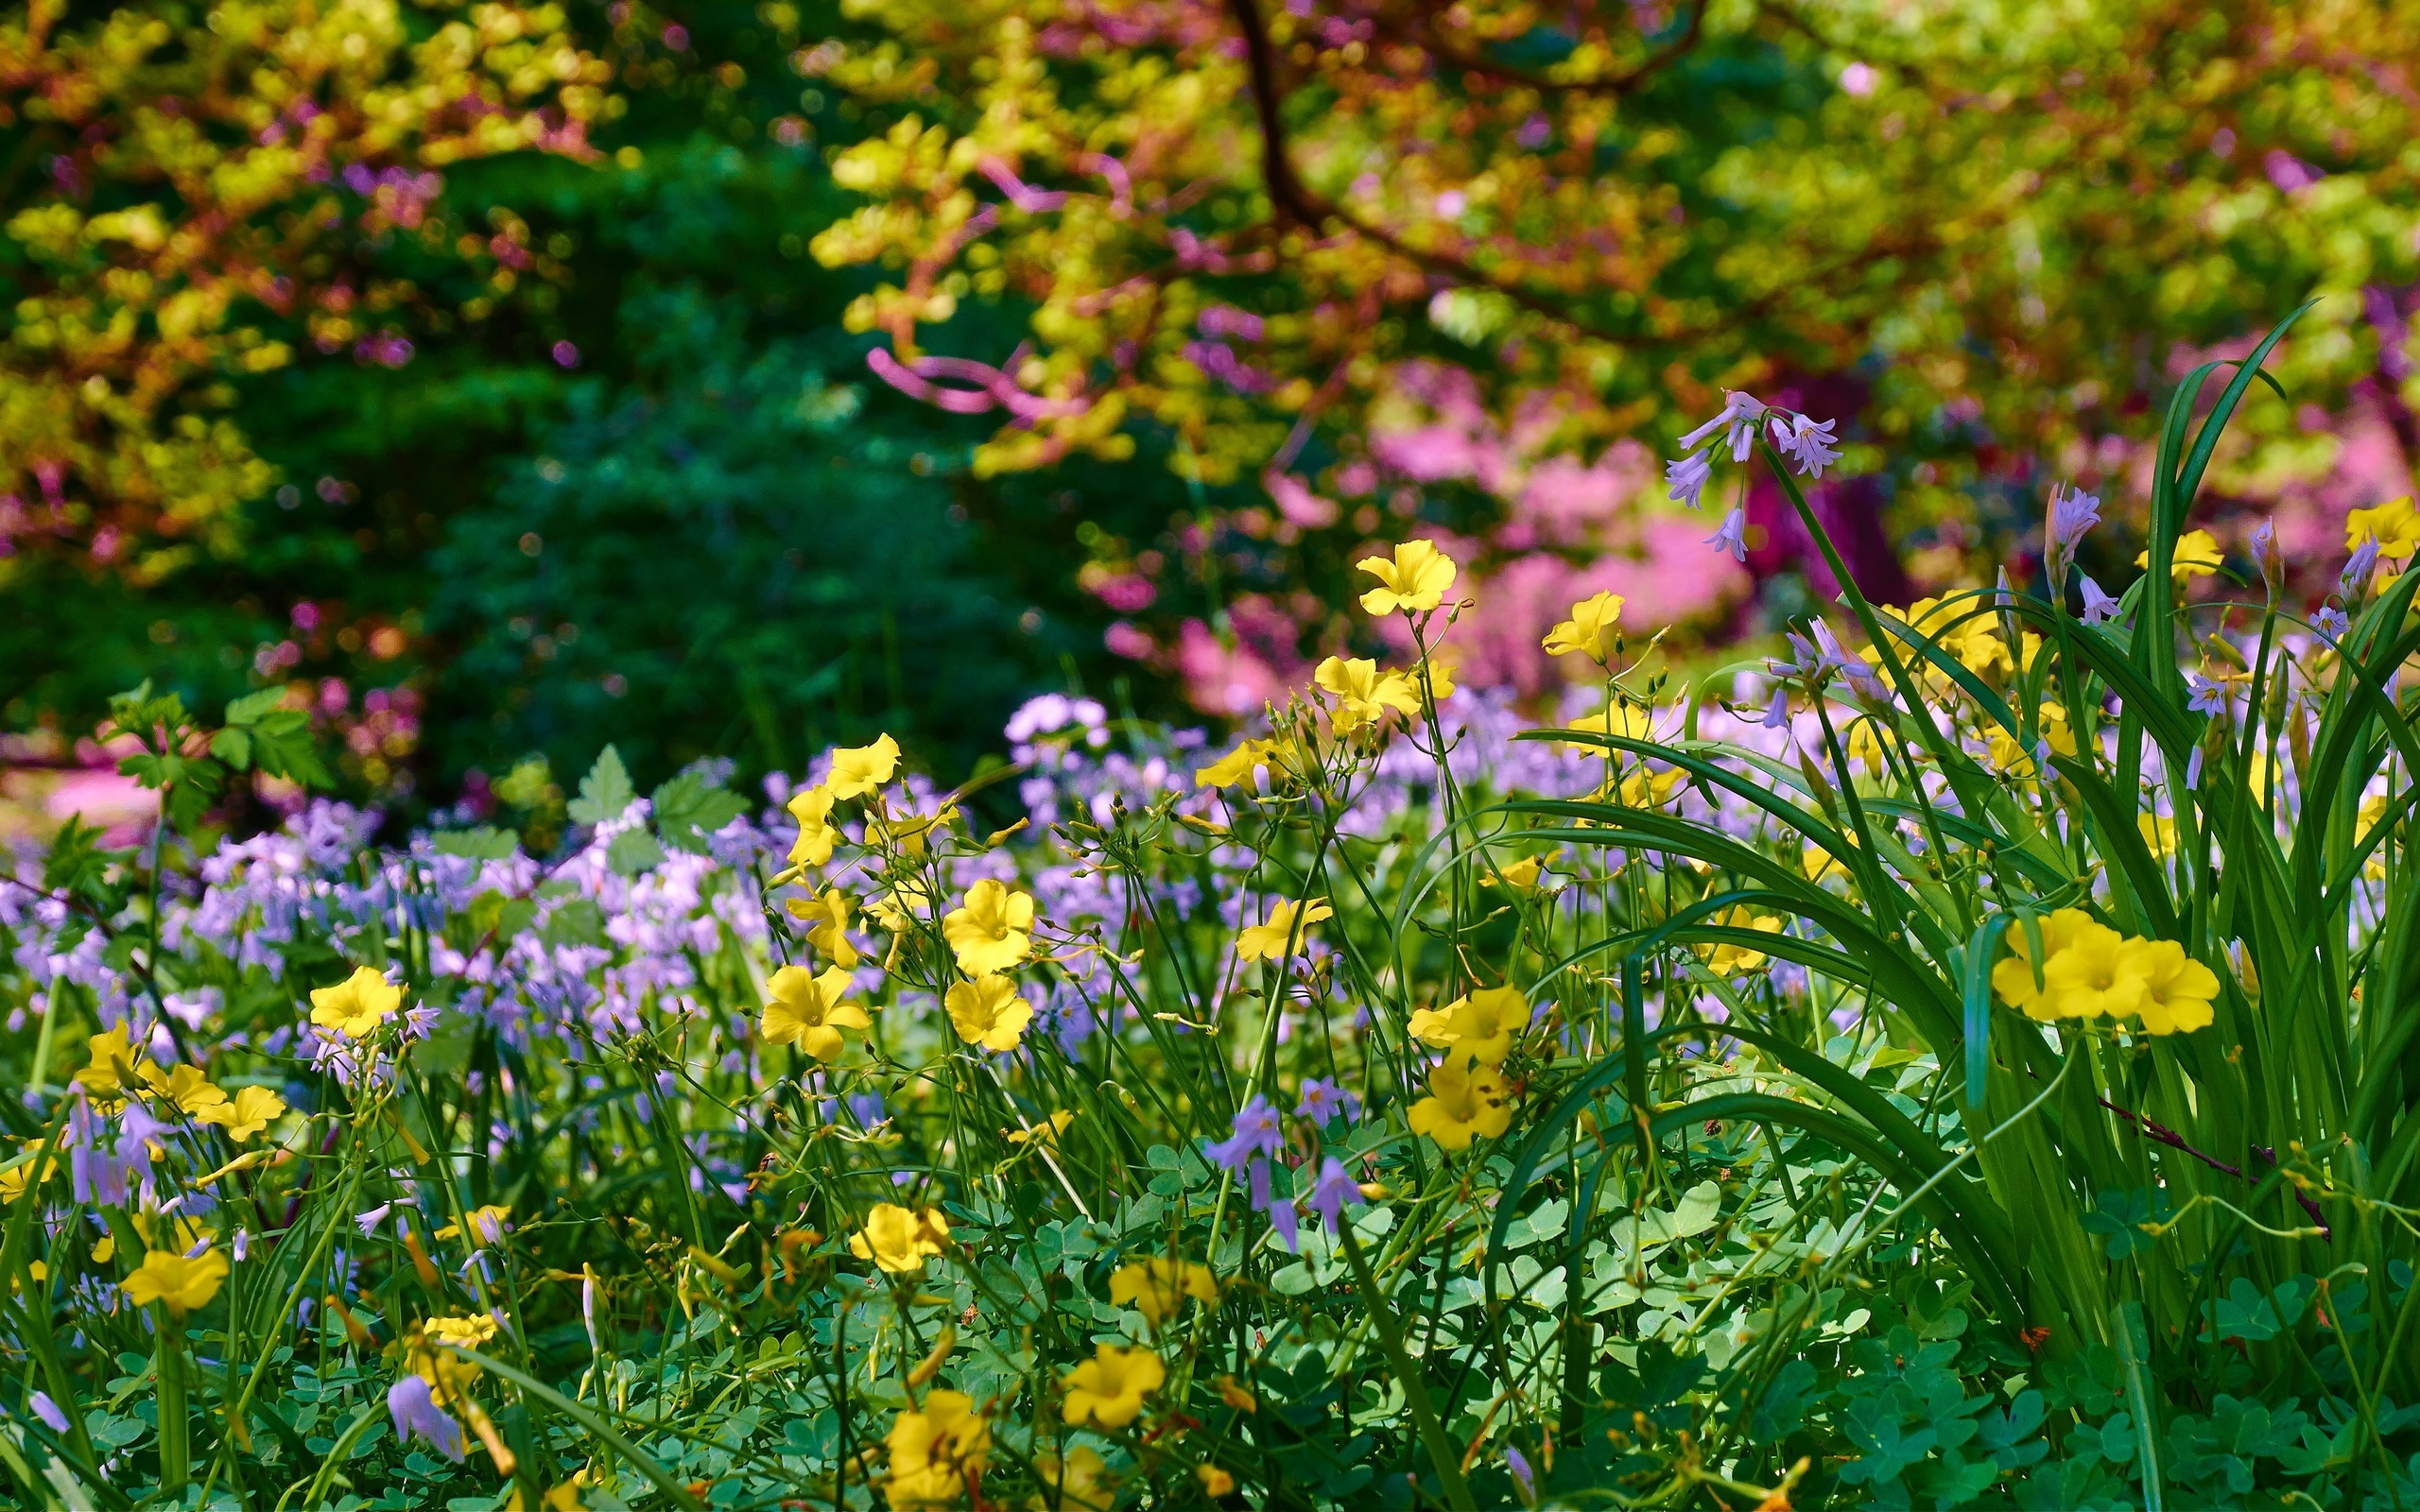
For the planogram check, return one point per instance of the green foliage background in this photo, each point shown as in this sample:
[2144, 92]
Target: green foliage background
[769, 551]
[711, 531]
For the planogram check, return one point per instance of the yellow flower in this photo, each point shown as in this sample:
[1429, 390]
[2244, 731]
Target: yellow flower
[1238, 765]
[2372, 809]
[182, 1285]
[2159, 832]
[1363, 695]
[2260, 772]
[253, 1109]
[185, 1088]
[2007, 757]
[1414, 580]
[858, 770]
[2197, 554]
[1275, 939]
[2177, 989]
[1083, 1485]
[173, 1234]
[1865, 744]
[1522, 875]
[1725, 959]
[1481, 1026]
[1235, 1396]
[487, 1224]
[2012, 978]
[1046, 1132]
[1462, 1104]
[2098, 973]
[466, 1333]
[14, 1180]
[355, 1006]
[817, 834]
[1216, 1482]
[1645, 789]
[991, 929]
[113, 1062]
[1157, 1288]
[827, 926]
[2055, 731]
[1109, 1389]
[806, 1011]
[2397, 525]
[988, 1012]
[934, 1451]
[1624, 718]
[1818, 863]
[908, 899]
[1589, 632]
[898, 1239]
[563, 1498]
[912, 833]
[1972, 642]
[1435, 672]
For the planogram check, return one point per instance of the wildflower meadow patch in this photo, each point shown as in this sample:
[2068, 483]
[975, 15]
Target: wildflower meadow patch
[1967, 1060]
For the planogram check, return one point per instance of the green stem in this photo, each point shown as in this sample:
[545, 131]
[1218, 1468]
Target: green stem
[1415, 1391]
[176, 1452]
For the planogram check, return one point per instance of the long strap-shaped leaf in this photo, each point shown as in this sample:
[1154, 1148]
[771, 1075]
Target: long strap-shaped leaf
[647, 1464]
[2176, 480]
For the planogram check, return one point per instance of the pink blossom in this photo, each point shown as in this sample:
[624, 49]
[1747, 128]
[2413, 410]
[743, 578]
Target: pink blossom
[1231, 680]
[1298, 503]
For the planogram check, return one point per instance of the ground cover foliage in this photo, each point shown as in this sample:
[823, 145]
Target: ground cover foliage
[1966, 1063]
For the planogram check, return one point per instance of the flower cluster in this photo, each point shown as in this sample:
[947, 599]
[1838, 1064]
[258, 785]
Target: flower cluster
[2089, 970]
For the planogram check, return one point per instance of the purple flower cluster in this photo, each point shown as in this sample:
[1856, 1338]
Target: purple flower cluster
[1256, 1147]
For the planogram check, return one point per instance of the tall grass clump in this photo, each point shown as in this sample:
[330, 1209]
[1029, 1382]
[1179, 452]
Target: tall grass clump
[1969, 1062]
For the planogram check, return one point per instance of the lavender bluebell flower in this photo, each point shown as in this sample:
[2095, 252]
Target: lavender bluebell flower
[1808, 444]
[1258, 1131]
[1732, 537]
[2267, 556]
[2097, 606]
[1522, 1479]
[414, 1409]
[2072, 514]
[47, 1411]
[1805, 661]
[1280, 1213]
[1862, 676]
[1738, 421]
[1324, 1100]
[1333, 1192]
[137, 1131]
[2356, 582]
[2209, 696]
[1777, 713]
[367, 1222]
[1687, 477]
[98, 1174]
[2330, 623]
[2193, 771]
